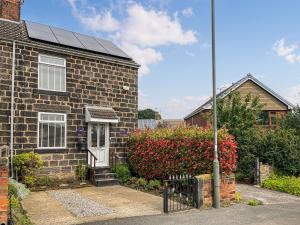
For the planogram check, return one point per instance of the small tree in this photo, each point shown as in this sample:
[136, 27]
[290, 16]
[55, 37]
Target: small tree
[292, 120]
[236, 113]
[148, 114]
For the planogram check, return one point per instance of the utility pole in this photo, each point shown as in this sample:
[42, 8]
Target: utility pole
[216, 167]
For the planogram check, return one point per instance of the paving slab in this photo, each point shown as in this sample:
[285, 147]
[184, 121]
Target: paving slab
[44, 209]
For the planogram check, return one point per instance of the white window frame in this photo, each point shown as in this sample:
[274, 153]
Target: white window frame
[38, 129]
[52, 64]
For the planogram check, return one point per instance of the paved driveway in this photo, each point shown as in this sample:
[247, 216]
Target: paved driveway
[278, 209]
[65, 207]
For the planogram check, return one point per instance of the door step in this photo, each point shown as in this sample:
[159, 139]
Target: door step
[106, 182]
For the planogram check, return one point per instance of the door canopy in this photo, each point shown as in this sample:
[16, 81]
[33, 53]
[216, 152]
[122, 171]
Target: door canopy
[100, 115]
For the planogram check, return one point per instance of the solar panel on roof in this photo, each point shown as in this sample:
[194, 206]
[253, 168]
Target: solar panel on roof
[41, 32]
[65, 37]
[90, 43]
[76, 40]
[111, 48]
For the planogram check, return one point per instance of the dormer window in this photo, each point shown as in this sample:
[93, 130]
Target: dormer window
[52, 73]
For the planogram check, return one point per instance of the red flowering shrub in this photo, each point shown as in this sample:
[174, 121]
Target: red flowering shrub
[185, 150]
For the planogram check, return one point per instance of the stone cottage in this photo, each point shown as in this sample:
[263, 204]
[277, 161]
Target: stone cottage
[65, 95]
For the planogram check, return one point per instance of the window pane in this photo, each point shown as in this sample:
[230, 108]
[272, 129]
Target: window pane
[52, 60]
[63, 142]
[57, 79]
[263, 118]
[44, 76]
[58, 135]
[51, 134]
[51, 78]
[93, 136]
[44, 117]
[63, 79]
[51, 117]
[59, 117]
[273, 118]
[44, 134]
[102, 135]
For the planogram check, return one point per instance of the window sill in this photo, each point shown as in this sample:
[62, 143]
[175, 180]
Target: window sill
[48, 92]
[51, 150]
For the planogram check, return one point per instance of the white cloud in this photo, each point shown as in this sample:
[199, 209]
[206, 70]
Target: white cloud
[181, 107]
[153, 28]
[143, 56]
[139, 33]
[288, 52]
[293, 94]
[188, 12]
[92, 19]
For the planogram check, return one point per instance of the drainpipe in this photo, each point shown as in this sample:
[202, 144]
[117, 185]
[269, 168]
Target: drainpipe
[12, 109]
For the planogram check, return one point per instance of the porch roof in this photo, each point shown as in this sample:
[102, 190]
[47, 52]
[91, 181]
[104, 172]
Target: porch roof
[100, 115]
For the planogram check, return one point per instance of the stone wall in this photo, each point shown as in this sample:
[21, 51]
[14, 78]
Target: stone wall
[265, 171]
[90, 81]
[205, 190]
[3, 190]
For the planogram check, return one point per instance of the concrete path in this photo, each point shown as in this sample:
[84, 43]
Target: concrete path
[266, 196]
[125, 202]
[278, 209]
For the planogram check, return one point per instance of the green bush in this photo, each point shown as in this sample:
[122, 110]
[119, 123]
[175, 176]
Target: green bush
[19, 216]
[141, 183]
[81, 172]
[253, 202]
[153, 185]
[26, 165]
[45, 181]
[286, 184]
[123, 173]
[277, 147]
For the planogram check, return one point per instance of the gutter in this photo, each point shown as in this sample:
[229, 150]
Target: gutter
[12, 109]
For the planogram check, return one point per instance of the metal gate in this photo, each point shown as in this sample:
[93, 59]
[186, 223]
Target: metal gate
[180, 193]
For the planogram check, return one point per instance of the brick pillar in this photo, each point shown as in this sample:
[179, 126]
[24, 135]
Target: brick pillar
[205, 189]
[3, 190]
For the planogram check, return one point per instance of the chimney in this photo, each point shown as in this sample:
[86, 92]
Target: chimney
[10, 10]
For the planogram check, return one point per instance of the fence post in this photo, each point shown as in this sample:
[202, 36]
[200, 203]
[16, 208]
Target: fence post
[166, 206]
[257, 171]
[197, 195]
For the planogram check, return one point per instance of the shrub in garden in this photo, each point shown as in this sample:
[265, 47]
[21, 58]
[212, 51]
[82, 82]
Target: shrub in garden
[123, 173]
[81, 172]
[185, 150]
[26, 165]
[153, 185]
[141, 183]
[277, 147]
[286, 184]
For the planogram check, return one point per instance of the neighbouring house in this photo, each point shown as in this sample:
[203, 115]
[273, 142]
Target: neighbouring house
[65, 95]
[171, 123]
[274, 106]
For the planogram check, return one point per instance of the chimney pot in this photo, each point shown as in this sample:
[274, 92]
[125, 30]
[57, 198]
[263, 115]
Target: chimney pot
[10, 9]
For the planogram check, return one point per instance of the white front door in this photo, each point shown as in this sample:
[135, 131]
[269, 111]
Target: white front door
[98, 142]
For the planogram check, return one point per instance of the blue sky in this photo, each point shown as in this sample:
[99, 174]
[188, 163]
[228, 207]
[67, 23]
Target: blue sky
[171, 40]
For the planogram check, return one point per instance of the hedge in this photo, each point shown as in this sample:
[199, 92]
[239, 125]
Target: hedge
[277, 147]
[185, 150]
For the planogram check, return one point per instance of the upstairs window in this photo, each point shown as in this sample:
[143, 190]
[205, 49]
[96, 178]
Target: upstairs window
[52, 130]
[52, 73]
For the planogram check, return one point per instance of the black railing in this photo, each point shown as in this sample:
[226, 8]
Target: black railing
[91, 161]
[180, 193]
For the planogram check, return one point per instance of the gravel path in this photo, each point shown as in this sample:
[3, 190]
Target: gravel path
[78, 205]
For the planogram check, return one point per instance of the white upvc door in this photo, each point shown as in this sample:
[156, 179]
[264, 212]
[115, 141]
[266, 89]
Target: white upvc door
[98, 142]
